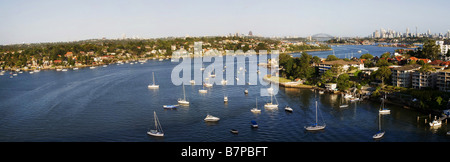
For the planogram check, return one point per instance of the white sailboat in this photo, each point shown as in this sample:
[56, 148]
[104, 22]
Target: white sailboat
[271, 105]
[255, 109]
[158, 129]
[383, 110]
[315, 126]
[342, 103]
[203, 90]
[380, 133]
[153, 86]
[183, 101]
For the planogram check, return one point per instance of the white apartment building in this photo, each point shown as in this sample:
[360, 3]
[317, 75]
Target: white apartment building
[444, 49]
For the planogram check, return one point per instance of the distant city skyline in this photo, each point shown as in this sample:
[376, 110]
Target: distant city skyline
[34, 21]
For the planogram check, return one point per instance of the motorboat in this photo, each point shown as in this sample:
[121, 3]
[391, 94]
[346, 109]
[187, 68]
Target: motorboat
[288, 109]
[170, 106]
[435, 122]
[210, 118]
[254, 124]
[234, 131]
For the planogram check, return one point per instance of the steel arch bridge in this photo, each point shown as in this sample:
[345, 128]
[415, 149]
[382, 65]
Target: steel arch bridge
[322, 37]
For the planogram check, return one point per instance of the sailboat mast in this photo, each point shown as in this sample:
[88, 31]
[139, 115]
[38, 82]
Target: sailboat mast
[184, 93]
[153, 78]
[316, 112]
[156, 124]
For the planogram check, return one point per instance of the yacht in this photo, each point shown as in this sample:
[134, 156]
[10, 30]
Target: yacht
[210, 118]
[288, 109]
[271, 105]
[315, 126]
[255, 109]
[435, 122]
[380, 133]
[153, 86]
[158, 132]
[183, 101]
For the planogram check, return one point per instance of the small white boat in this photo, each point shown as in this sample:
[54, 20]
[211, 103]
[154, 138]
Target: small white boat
[271, 105]
[183, 101]
[92, 67]
[161, 59]
[192, 81]
[170, 106]
[383, 110]
[58, 69]
[435, 122]
[246, 91]
[224, 82]
[321, 92]
[343, 106]
[208, 85]
[158, 132]
[210, 118]
[288, 109]
[359, 51]
[234, 131]
[255, 109]
[30, 72]
[225, 99]
[37, 71]
[202, 91]
[75, 68]
[64, 70]
[153, 86]
[105, 65]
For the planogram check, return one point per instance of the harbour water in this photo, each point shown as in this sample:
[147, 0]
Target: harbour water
[348, 51]
[114, 104]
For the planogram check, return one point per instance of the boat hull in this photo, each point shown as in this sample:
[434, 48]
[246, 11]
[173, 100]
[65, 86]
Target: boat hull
[155, 133]
[153, 86]
[315, 128]
[378, 135]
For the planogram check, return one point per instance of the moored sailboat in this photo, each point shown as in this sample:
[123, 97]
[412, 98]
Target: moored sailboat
[158, 132]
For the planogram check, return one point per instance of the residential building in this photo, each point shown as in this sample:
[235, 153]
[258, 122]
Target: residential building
[402, 76]
[443, 50]
[326, 65]
[443, 80]
[424, 80]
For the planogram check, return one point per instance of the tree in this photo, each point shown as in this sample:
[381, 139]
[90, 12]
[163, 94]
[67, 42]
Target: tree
[331, 58]
[366, 56]
[383, 73]
[343, 82]
[386, 55]
[430, 50]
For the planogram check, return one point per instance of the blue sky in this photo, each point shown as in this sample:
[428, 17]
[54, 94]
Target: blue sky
[31, 21]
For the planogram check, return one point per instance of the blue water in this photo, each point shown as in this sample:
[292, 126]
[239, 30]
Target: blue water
[114, 104]
[349, 51]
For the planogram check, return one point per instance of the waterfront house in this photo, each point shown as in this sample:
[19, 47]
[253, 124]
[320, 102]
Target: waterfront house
[402, 76]
[326, 65]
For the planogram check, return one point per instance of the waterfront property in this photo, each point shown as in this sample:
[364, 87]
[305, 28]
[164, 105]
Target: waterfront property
[401, 76]
[326, 65]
